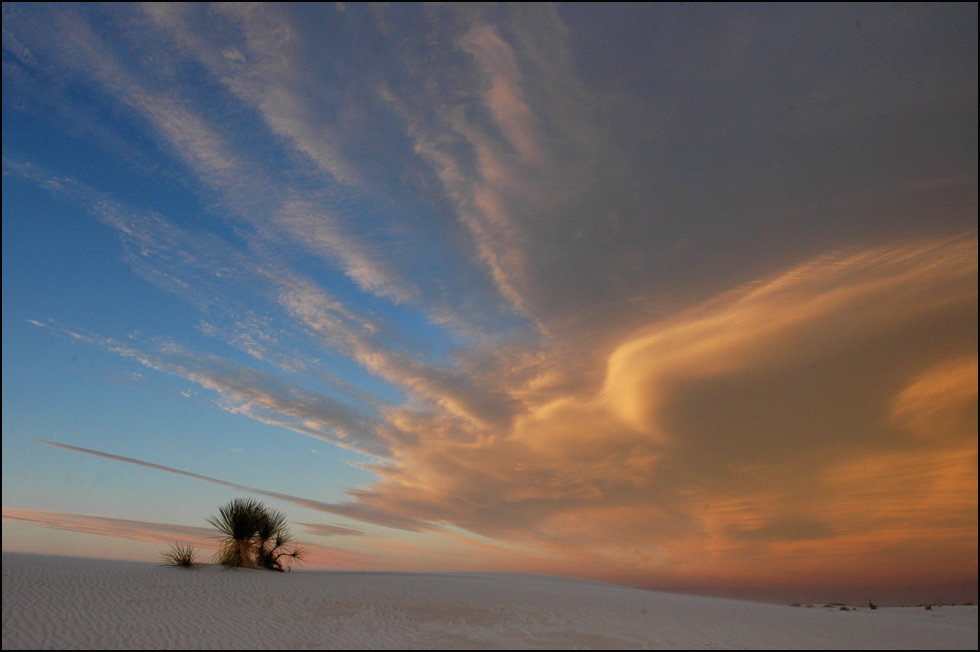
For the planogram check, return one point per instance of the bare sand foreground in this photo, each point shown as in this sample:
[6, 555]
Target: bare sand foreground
[59, 602]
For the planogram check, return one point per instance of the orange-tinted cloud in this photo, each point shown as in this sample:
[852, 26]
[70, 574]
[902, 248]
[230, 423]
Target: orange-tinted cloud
[768, 428]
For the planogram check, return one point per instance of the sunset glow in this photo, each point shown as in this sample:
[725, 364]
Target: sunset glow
[678, 297]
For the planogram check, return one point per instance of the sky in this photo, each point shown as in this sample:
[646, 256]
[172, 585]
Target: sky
[680, 297]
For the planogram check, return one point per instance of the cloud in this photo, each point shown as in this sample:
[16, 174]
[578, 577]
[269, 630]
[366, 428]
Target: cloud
[356, 225]
[503, 97]
[786, 417]
[941, 402]
[328, 530]
[564, 286]
[505, 141]
[646, 202]
[120, 528]
[792, 317]
[585, 190]
[260, 194]
[363, 513]
[209, 273]
[718, 435]
[257, 395]
[324, 234]
[264, 68]
[165, 534]
[447, 386]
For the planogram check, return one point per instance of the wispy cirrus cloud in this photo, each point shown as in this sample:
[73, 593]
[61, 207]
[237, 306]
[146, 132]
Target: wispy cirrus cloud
[495, 159]
[246, 391]
[323, 233]
[208, 272]
[277, 81]
[259, 56]
[247, 189]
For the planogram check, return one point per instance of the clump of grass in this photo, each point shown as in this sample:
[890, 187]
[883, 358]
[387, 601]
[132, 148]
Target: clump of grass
[180, 555]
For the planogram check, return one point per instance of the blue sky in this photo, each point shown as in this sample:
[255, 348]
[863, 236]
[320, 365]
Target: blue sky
[668, 295]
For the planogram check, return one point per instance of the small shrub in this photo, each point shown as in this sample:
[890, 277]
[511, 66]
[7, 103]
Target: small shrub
[181, 556]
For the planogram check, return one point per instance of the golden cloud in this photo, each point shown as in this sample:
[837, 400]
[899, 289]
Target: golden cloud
[779, 421]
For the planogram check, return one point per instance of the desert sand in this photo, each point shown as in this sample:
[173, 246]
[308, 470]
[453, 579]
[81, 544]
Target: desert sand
[61, 602]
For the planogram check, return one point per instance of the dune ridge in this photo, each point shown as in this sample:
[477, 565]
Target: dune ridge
[62, 602]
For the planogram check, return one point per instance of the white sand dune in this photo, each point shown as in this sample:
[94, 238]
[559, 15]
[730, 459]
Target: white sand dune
[60, 602]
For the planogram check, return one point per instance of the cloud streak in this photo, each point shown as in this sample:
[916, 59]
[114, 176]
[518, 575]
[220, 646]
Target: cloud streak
[367, 514]
[120, 528]
[162, 533]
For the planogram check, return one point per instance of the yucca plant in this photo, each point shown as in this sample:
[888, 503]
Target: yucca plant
[180, 555]
[254, 536]
[238, 522]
